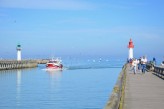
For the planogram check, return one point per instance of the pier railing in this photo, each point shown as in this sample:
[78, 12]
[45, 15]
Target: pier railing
[159, 71]
[117, 96]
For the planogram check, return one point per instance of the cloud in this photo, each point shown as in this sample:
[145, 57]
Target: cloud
[47, 4]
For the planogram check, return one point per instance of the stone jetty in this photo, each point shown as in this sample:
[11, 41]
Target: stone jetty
[145, 91]
[138, 91]
[14, 64]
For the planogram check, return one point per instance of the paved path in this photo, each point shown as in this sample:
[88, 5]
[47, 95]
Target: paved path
[143, 91]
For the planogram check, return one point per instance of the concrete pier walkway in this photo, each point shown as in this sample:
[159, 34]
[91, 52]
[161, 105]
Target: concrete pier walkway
[143, 91]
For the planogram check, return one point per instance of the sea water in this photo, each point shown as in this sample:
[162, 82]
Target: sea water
[85, 83]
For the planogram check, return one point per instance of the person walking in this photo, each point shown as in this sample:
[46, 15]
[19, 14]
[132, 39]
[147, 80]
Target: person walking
[143, 63]
[139, 64]
[134, 64]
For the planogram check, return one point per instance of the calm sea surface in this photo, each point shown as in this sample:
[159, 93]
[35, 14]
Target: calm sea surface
[84, 84]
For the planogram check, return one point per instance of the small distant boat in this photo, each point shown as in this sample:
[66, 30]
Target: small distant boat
[54, 64]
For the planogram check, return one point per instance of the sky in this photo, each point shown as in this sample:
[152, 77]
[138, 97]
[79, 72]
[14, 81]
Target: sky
[81, 27]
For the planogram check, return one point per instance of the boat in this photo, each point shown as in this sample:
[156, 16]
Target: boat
[54, 64]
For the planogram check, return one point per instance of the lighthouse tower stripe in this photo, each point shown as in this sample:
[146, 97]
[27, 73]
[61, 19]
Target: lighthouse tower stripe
[130, 46]
[19, 55]
[130, 53]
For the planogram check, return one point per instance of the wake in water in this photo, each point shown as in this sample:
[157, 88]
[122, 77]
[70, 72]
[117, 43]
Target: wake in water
[90, 67]
[54, 70]
[79, 68]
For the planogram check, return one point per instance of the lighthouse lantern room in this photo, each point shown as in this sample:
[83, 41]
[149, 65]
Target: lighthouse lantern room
[18, 52]
[130, 46]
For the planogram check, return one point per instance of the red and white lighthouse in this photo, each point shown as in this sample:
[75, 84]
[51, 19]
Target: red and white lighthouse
[130, 46]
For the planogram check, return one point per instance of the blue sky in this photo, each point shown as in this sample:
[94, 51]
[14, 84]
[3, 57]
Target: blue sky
[81, 27]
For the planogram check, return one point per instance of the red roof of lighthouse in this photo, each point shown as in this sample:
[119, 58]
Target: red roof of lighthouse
[130, 44]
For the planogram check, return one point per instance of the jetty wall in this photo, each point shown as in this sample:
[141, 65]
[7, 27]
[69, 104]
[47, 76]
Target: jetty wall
[117, 96]
[116, 100]
[13, 64]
